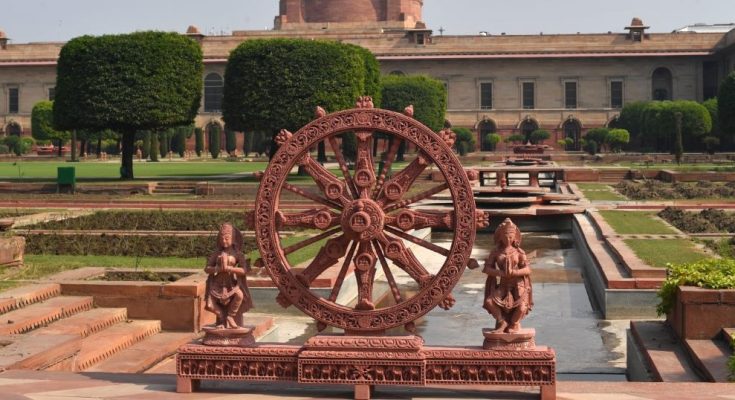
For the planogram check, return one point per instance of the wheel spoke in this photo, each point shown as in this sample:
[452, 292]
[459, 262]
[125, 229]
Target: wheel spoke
[388, 273]
[342, 273]
[397, 186]
[387, 163]
[417, 198]
[311, 196]
[365, 275]
[322, 219]
[412, 219]
[421, 242]
[364, 169]
[343, 165]
[332, 187]
[300, 245]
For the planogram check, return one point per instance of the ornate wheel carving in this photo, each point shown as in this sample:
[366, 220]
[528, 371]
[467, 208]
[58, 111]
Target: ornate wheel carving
[364, 218]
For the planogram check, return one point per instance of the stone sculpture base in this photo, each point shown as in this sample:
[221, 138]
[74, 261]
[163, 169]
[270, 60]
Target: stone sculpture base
[241, 337]
[366, 362]
[524, 339]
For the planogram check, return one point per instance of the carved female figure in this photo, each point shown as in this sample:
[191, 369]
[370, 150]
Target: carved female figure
[508, 293]
[227, 294]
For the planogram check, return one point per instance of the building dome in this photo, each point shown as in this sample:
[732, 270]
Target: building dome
[193, 30]
[343, 11]
[2, 34]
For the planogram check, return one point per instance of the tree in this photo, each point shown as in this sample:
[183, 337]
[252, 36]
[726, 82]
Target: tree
[198, 141]
[659, 123]
[617, 139]
[492, 139]
[215, 140]
[539, 136]
[155, 145]
[711, 143]
[726, 107]
[143, 80]
[274, 84]
[679, 142]
[146, 148]
[465, 140]
[631, 119]
[42, 127]
[230, 141]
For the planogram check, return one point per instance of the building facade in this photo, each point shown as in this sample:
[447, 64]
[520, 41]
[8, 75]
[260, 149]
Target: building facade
[505, 84]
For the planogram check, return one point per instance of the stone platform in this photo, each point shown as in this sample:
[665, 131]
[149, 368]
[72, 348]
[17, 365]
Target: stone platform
[366, 362]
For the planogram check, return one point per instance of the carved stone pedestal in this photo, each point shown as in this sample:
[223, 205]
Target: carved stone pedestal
[241, 337]
[524, 339]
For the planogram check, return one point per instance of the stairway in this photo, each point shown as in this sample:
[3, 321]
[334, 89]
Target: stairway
[613, 175]
[174, 188]
[42, 330]
[710, 357]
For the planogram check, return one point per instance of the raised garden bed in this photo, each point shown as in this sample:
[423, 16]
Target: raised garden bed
[657, 190]
[157, 220]
[146, 276]
[707, 221]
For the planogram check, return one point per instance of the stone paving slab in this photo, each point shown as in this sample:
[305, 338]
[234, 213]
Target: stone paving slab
[104, 344]
[56, 386]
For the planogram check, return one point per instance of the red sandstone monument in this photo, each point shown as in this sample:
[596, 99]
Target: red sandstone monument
[366, 221]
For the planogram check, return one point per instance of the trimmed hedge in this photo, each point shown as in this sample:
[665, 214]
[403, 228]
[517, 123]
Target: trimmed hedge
[148, 221]
[129, 246]
[707, 274]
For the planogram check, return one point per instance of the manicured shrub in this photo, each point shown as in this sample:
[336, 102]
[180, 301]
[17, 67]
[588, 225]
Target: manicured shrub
[467, 137]
[131, 82]
[230, 141]
[42, 125]
[726, 107]
[492, 139]
[591, 147]
[515, 138]
[539, 136]
[708, 274]
[215, 140]
[198, 141]
[617, 139]
[711, 143]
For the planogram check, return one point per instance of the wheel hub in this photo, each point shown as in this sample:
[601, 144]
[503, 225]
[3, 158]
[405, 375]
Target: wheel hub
[362, 220]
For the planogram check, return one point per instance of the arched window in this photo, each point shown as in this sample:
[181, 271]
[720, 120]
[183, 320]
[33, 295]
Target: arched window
[573, 130]
[13, 129]
[213, 92]
[527, 127]
[485, 128]
[662, 82]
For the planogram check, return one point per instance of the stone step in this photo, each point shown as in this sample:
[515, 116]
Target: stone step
[85, 323]
[37, 315]
[710, 358]
[728, 334]
[102, 345]
[144, 354]
[668, 360]
[25, 295]
[51, 346]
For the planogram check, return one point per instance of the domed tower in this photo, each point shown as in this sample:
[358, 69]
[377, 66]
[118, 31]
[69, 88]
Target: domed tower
[303, 14]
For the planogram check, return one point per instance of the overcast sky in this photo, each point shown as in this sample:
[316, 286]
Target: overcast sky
[60, 20]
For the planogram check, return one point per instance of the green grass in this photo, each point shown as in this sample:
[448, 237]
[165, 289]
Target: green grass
[636, 223]
[37, 170]
[5, 285]
[600, 192]
[659, 252]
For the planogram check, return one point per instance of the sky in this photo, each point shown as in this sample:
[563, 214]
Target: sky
[60, 20]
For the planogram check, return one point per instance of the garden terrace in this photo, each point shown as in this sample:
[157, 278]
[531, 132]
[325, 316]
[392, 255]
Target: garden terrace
[657, 190]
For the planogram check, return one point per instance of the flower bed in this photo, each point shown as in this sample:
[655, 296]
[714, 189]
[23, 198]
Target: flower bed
[122, 245]
[707, 221]
[699, 298]
[149, 221]
[657, 190]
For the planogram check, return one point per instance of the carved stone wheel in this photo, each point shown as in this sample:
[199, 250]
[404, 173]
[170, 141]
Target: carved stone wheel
[364, 219]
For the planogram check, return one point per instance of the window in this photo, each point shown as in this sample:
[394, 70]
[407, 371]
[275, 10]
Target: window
[570, 94]
[420, 38]
[529, 89]
[616, 94]
[51, 93]
[13, 100]
[213, 92]
[486, 96]
[663, 86]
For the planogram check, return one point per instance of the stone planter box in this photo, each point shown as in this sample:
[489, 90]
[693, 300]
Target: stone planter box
[700, 314]
[11, 251]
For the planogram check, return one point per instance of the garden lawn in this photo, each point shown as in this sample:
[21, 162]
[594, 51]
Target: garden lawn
[636, 223]
[39, 170]
[600, 192]
[659, 252]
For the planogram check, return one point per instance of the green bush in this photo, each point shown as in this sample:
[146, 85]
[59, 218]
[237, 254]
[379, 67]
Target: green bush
[492, 139]
[726, 106]
[467, 137]
[198, 141]
[515, 138]
[230, 141]
[711, 143]
[42, 124]
[427, 95]
[617, 139]
[591, 147]
[148, 221]
[4, 149]
[707, 274]
[215, 140]
[539, 136]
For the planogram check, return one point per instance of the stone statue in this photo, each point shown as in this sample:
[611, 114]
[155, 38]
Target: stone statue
[227, 295]
[508, 294]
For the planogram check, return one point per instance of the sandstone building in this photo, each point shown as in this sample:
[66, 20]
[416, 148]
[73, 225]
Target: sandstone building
[508, 84]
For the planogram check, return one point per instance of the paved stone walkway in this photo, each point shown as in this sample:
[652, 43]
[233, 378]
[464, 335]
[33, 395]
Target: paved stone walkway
[68, 386]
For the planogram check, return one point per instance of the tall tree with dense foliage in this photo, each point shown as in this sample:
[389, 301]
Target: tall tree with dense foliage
[427, 95]
[726, 107]
[42, 125]
[199, 141]
[274, 84]
[659, 123]
[631, 119]
[132, 82]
